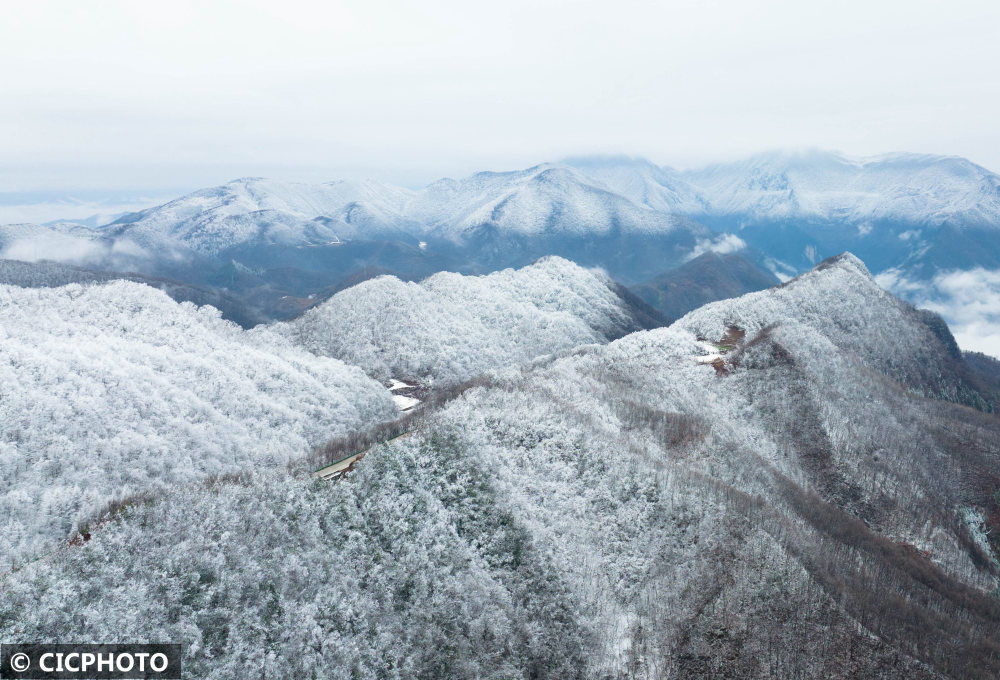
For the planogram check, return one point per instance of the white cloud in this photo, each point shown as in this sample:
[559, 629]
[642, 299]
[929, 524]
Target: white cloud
[730, 243]
[969, 300]
[93, 213]
[55, 247]
[80, 247]
[128, 248]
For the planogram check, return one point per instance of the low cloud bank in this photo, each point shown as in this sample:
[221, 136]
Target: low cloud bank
[969, 300]
[81, 249]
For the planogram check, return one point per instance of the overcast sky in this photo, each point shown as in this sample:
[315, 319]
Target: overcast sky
[177, 95]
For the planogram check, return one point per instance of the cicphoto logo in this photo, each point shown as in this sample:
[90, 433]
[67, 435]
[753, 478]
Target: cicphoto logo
[91, 662]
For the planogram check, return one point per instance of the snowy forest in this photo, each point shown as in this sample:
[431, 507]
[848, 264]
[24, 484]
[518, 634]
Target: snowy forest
[798, 482]
[542, 340]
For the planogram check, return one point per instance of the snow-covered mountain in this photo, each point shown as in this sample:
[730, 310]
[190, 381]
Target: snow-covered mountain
[478, 224]
[843, 301]
[926, 223]
[812, 185]
[250, 210]
[902, 187]
[112, 391]
[643, 182]
[758, 490]
[911, 217]
[543, 199]
[449, 328]
[591, 196]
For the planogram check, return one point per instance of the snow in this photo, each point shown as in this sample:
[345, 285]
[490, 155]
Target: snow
[708, 347]
[906, 187]
[580, 196]
[840, 301]
[545, 198]
[976, 523]
[449, 327]
[592, 500]
[404, 403]
[213, 219]
[112, 390]
[643, 182]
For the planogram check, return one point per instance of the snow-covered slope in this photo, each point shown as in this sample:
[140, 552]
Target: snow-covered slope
[839, 297]
[115, 389]
[545, 198]
[450, 327]
[542, 199]
[841, 300]
[252, 209]
[622, 511]
[643, 182]
[916, 188]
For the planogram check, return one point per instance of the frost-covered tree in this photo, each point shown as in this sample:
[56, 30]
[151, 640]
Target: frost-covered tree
[111, 390]
[449, 328]
[782, 505]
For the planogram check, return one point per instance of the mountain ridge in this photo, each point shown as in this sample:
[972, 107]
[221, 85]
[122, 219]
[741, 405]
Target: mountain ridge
[777, 505]
[915, 216]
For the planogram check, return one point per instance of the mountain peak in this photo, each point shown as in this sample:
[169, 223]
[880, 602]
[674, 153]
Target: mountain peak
[609, 160]
[839, 302]
[848, 262]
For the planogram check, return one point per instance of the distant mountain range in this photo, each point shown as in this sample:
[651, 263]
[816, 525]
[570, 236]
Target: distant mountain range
[909, 217]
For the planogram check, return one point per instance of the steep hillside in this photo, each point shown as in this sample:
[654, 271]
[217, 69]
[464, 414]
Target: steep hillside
[840, 299]
[449, 328]
[706, 278]
[115, 390]
[661, 507]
